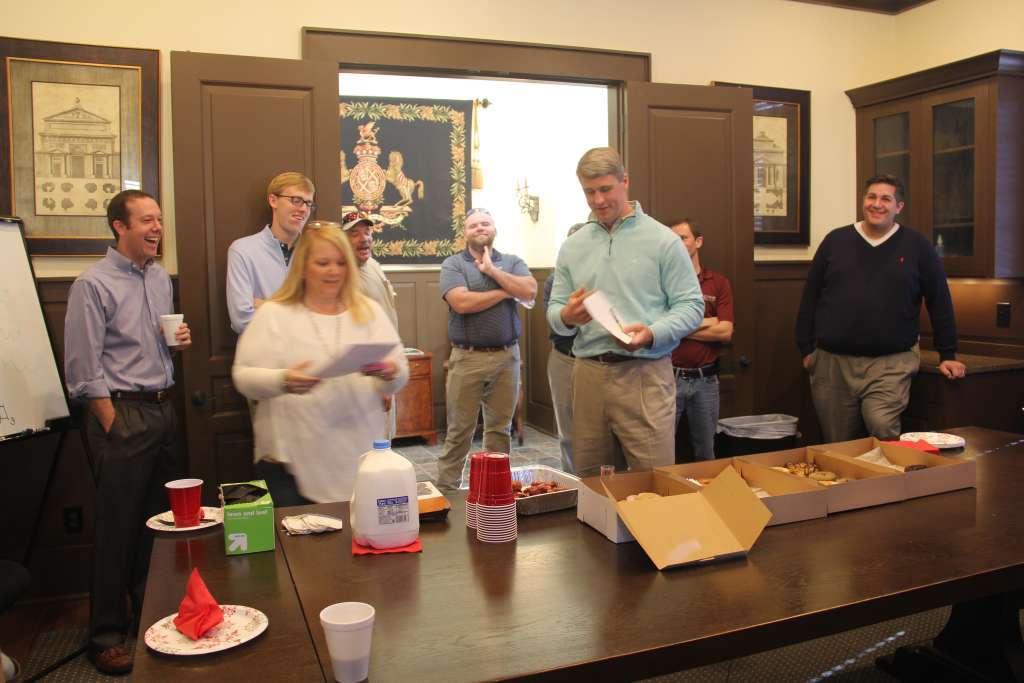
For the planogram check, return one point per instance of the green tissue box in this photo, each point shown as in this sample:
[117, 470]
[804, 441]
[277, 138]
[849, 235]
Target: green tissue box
[248, 517]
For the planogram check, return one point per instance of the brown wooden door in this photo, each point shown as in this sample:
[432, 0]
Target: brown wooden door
[237, 121]
[688, 151]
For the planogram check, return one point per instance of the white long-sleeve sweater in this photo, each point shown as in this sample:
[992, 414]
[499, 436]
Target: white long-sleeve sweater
[318, 435]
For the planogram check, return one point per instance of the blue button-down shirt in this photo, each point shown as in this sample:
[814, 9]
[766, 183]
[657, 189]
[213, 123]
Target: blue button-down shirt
[256, 269]
[112, 337]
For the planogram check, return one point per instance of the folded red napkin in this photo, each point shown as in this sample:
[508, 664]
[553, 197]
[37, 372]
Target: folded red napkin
[414, 547]
[198, 612]
[919, 445]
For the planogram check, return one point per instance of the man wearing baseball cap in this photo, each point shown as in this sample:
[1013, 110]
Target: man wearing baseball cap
[358, 226]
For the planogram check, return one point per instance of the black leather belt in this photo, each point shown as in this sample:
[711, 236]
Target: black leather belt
[567, 352]
[145, 396]
[613, 358]
[485, 349]
[709, 370]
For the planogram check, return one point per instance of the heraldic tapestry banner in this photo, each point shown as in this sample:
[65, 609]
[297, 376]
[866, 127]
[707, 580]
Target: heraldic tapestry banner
[406, 163]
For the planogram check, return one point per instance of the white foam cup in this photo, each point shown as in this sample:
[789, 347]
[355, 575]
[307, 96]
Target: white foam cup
[170, 323]
[348, 628]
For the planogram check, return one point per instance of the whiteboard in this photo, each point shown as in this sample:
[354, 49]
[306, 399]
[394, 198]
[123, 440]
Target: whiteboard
[30, 388]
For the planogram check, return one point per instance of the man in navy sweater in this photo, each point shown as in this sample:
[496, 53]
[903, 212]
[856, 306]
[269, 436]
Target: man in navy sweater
[859, 320]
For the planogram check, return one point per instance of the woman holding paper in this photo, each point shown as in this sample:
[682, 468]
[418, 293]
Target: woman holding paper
[310, 430]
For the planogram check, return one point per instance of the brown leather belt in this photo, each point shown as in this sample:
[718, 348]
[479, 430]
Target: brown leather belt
[145, 396]
[613, 358]
[486, 349]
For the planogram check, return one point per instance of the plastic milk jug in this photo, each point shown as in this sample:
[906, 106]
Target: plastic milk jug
[384, 509]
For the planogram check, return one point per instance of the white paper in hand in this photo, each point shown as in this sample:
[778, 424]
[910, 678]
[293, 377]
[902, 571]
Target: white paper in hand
[352, 359]
[600, 309]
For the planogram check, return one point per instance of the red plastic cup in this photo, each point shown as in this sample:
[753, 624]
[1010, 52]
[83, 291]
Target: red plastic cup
[185, 495]
[476, 468]
[496, 481]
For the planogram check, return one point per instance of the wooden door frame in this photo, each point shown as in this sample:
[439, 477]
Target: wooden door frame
[422, 55]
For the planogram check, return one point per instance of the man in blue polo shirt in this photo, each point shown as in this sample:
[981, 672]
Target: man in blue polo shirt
[481, 287]
[258, 263]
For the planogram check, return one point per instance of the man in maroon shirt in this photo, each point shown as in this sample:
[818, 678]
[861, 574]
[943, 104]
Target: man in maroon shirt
[695, 360]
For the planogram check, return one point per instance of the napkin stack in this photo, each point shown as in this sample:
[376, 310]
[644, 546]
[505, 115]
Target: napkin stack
[298, 525]
[198, 612]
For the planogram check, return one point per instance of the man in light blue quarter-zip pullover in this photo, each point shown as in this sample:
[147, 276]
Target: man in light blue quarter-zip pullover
[623, 390]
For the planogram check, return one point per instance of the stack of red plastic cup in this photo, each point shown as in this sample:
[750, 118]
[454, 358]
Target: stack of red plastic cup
[496, 504]
[476, 466]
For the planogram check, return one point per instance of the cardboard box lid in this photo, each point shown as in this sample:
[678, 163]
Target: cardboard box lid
[723, 519]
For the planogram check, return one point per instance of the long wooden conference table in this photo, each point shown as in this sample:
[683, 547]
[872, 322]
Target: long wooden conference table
[563, 602]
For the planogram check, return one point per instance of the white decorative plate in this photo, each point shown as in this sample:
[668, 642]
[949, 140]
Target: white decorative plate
[937, 439]
[165, 520]
[240, 625]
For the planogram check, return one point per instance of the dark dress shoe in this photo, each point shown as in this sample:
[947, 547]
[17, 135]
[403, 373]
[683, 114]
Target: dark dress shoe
[113, 661]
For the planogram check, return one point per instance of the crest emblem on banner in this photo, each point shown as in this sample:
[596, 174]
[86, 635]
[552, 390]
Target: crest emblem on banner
[368, 180]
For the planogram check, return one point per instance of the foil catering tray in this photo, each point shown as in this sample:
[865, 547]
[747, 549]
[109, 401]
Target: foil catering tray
[545, 502]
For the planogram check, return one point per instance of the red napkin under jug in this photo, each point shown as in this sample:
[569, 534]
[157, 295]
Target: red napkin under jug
[198, 612]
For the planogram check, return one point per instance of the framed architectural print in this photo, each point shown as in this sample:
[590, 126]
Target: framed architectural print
[80, 123]
[782, 163]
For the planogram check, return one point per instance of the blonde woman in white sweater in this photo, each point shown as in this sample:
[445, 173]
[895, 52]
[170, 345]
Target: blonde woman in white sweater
[305, 427]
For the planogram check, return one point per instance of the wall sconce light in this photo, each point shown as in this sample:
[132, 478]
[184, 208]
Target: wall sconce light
[528, 203]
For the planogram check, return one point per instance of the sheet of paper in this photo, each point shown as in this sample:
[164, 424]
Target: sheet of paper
[351, 359]
[600, 309]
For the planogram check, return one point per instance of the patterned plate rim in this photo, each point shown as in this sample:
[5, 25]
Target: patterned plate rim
[937, 439]
[217, 514]
[188, 647]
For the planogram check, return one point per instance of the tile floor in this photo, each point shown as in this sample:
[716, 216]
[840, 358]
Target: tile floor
[538, 449]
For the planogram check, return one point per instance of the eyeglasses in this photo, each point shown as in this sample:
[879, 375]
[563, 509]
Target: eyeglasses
[298, 201]
[477, 210]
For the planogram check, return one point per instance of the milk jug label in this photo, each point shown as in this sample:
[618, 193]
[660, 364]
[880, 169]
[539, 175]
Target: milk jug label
[393, 510]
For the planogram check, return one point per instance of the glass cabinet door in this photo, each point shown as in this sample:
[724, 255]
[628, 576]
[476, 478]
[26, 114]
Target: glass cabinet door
[892, 154]
[953, 166]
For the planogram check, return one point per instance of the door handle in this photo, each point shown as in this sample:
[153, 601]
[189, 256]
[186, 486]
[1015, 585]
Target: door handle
[199, 399]
[743, 361]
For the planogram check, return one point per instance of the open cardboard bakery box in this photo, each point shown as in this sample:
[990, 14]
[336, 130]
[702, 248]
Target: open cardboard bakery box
[868, 484]
[941, 473]
[685, 525]
[790, 499]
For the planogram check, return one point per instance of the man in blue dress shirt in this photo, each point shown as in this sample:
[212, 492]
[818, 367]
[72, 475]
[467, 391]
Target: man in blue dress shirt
[258, 263]
[116, 361]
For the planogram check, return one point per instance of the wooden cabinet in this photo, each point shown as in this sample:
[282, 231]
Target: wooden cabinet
[955, 136]
[414, 404]
[990, 395]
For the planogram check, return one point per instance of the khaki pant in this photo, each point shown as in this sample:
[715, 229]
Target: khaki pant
[560, 382]
[635, 402]
[475, 377]
[852, 393]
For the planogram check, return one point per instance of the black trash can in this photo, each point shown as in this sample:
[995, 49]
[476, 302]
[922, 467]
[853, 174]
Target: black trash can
[755, 434]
